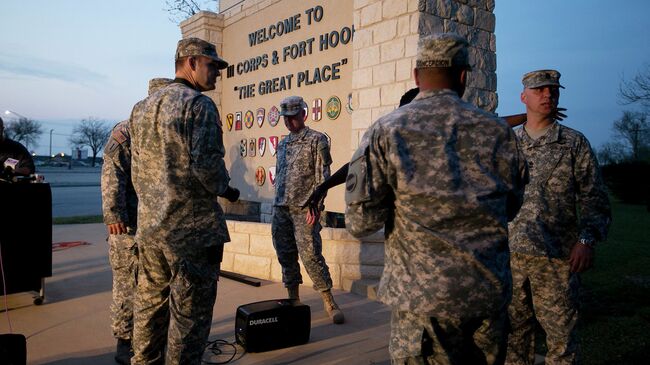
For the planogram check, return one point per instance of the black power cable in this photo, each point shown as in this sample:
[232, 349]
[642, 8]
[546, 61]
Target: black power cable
[215, 348]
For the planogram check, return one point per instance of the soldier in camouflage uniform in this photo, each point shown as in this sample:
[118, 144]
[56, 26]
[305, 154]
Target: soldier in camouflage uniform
[120, 207]
[442, 178]
[550, 243]
[303, 162]
[178, 171]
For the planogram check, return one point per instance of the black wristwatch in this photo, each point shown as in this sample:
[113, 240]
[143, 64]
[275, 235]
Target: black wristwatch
[587, 242]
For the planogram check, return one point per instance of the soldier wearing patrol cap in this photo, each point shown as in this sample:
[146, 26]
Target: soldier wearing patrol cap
[120, 208]
[303, 162]
[442, 178]
[178, 172]
[550, 243]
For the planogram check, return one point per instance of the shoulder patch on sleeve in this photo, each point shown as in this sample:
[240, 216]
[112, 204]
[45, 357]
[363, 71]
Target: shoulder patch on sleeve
[121, 133]
[356, 183]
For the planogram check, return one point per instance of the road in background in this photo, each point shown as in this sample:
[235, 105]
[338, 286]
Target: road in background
[75, 192]
[70, 201]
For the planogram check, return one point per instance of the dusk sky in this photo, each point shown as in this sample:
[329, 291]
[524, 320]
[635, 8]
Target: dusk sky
[62, 61]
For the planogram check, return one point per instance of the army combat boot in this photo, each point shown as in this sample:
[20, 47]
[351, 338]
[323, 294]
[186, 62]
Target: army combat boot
[333, 310]
[123, 352]
[293, 292]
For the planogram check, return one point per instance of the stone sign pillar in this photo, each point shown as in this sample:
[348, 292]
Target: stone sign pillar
[208, 26]
[385, 46]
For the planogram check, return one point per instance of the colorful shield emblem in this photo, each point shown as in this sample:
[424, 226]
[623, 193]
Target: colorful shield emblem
[261, 146]
[251, 147]
[348, 106]
[274, 116]
[243, 147]
[230, 119]
[317, 110]
[272, 174]
[273, 145]
[333, 107]
[238, 116]
[260, 117]
[260, 176]
[249, 119]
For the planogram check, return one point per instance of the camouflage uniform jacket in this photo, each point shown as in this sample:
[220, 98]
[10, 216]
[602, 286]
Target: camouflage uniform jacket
[303, 162]
[119, 201]
[443, 177]
[564, 176]
[178, 168]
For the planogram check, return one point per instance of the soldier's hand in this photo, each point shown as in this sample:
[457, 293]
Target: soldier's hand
[232, 194]
[581, 258]
[315, 198]
[558, 114]
[117, 228]
[313, 215]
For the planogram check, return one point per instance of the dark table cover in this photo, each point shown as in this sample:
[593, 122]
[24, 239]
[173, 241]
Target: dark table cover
[25, 235]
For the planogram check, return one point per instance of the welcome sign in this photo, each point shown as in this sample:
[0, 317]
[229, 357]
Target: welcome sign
[289, 48]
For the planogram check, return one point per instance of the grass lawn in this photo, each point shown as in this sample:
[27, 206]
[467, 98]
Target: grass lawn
[78, 220]
[615, 325]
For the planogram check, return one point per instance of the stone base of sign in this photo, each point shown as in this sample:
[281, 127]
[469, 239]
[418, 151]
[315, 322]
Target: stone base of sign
[241, 210]
[354, 264]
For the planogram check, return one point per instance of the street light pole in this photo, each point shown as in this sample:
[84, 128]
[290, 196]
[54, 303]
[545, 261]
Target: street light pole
[51, 130]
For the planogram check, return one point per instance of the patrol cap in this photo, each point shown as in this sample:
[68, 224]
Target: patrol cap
[442, 50]
[157, 83]
[198, 47]
[539, 78]
[292, 105]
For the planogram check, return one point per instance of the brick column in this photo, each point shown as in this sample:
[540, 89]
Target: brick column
[385, 47]
[209, 27]
[474, 20]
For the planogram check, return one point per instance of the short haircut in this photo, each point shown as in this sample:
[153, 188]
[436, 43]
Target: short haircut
[179, 63]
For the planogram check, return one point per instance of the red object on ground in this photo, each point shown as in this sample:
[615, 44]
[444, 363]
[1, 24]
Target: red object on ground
[58, 246]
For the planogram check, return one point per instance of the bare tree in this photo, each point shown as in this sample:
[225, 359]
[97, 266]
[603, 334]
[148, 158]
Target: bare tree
[90, 132]
[611, 153]
[633, 132]
[27, 131]
[636, 90]
[180, 10]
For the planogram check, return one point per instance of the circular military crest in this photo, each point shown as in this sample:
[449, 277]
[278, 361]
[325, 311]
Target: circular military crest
[260, 175]
[333, 107]
[249, 119]
[273, 116]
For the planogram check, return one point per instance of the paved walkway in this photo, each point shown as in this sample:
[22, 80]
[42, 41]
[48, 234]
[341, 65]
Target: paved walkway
[73, 326]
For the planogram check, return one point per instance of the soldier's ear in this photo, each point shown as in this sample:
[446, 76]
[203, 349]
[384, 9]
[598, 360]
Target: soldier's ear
[416, 77]
[522, 97]
[192, 63]
[463, 77]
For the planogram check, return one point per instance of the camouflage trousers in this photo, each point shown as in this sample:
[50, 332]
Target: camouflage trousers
[545, 289]
[293, 237]
[173, 304]
[123, 257]
[417, 339]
